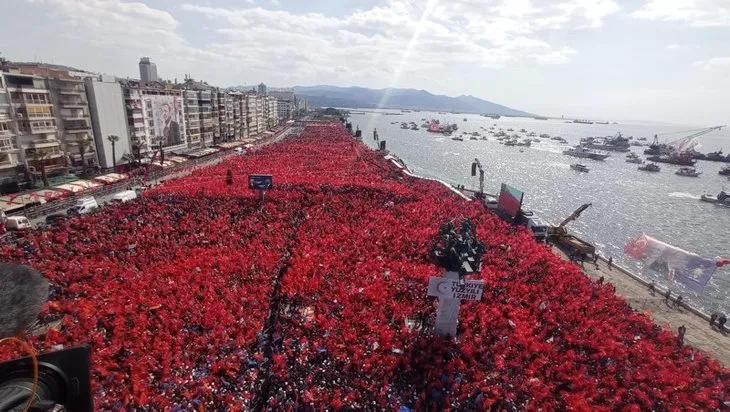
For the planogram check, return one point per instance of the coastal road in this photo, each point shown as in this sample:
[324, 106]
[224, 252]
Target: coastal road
[699, 334]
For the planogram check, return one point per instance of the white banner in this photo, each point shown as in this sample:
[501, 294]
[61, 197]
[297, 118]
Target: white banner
[450, 288]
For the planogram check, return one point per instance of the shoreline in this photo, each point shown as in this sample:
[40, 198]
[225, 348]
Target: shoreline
[634, 289]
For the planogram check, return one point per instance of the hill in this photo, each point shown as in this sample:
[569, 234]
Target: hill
[361, 97]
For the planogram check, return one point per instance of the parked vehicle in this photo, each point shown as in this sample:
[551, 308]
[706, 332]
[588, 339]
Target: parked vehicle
[18, 223]
[83, 206]
[124, 196]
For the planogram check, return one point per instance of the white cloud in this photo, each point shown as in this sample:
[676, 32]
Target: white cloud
[696, 13]
[364, 46]
[713, 63]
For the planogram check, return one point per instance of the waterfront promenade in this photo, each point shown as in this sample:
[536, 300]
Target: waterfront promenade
[669, 315]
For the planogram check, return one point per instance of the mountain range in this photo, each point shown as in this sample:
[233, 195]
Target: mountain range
[365, 98]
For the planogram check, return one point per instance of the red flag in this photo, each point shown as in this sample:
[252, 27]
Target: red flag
[637, 247]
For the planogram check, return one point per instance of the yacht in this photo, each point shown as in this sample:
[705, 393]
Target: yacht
[579, 167]
[688, 171]
[582, 152]
[650, 167]
[725, 171]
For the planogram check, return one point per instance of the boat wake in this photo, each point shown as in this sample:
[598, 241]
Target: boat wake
[684, 195]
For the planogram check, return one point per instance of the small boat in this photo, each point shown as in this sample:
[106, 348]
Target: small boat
[723, 198]
[474, 133]
[404, 125]
[510, 130]
[579, 167]
[464, 119]
[523, 131]
[650, 167]
[642, 138]
[687, 171]
[511, 143]
[545, 135]
[580, 151]
[725, 171]
[458, 139]
[532, 134]
[633, 158]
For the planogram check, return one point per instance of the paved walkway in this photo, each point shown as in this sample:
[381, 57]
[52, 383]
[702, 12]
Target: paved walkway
[699, 334]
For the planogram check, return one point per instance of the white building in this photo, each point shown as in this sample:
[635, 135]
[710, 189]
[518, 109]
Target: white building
[109, 118]
[147, 70]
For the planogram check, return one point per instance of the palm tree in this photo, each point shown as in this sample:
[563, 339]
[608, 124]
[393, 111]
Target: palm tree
[113, 139]
[39, 158]
[84, 143]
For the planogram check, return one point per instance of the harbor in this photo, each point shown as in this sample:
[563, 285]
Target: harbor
[627, 201]
[641, 294]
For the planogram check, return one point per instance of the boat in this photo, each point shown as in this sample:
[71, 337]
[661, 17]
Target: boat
[722, 197]
[536, 140]
[545, 136]
[414, 127]
[526, 143]
[616, 143]
[511, 143]
[458, 139]
[675, 158]
[687, 171]
[523, 131]
[725, 171]
[540, 118]
[633, 158]
[650, 167]
[579, 167]
[532, 134]
[492, 116]
[717, 156]
[463, 120]
[582, 121]
[510, 130]
[582, 152]
[642, 138]
[656, 149]
[404, 125]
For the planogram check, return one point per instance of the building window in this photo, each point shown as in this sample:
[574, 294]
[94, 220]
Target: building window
[5, 145]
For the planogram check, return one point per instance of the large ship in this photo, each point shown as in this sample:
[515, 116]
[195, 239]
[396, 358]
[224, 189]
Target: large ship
[656, 149]
[491, 116]
[674, 158]
[582, 152]
[616, 143]
[582, 121]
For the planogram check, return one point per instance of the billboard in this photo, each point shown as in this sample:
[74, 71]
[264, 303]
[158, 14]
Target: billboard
[260, 182]
[166, 113]
[510, 200]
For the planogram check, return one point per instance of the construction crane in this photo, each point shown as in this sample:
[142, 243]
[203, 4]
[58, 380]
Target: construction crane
[575, 215]
[474, 166]
[685, 143]
[560, 236]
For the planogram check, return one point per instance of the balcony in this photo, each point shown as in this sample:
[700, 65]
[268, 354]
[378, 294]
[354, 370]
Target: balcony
[73, 104]
[73, 91]
[76, 129]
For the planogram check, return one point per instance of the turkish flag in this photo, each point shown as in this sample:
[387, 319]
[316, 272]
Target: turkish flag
[637, 247]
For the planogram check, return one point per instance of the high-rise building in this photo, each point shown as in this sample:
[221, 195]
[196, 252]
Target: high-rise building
[147, 70]
[262, 89]
[74, 121]
[156, 117]
[109, 118]
[37, 125]
[10, 158]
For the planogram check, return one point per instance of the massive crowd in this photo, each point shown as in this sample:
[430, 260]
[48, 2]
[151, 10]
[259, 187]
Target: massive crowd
[174, 290]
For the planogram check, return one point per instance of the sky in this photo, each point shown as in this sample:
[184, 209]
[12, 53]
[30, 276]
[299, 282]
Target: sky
[657, 60]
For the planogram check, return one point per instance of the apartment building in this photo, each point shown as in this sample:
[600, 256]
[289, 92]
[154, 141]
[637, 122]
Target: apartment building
[193, 124]
[36, 125]
[252, 111]
[74, 121]
[260, 117]
[10, 158]
[157, 116]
